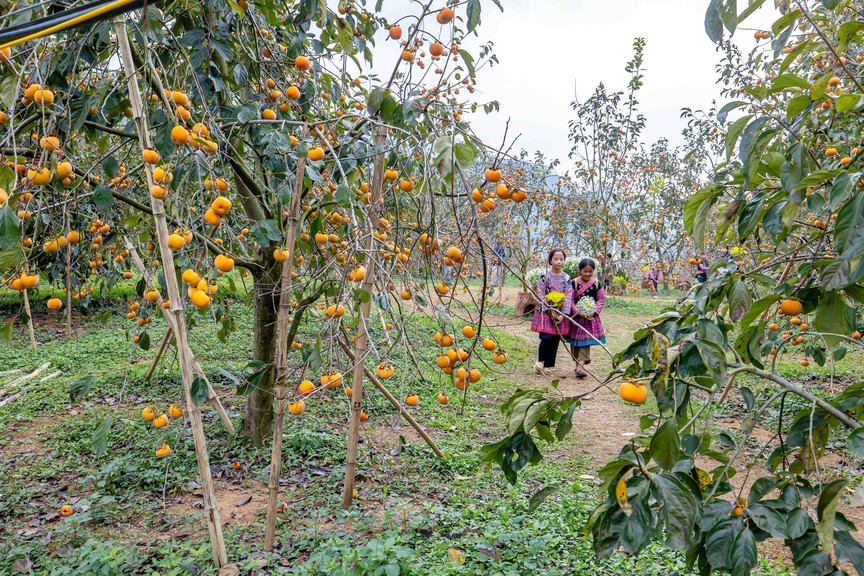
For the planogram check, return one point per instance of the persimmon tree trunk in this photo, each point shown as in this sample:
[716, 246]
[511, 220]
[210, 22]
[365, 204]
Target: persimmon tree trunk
[258, 415]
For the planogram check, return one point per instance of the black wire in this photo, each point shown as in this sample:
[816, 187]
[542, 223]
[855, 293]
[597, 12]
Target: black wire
[15, 32]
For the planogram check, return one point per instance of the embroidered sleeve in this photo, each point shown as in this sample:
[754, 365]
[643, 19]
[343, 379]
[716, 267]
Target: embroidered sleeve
[601, 298]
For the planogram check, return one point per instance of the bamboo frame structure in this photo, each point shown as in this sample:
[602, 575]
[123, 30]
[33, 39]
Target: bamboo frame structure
[176, 310]
[283, 327]
[363, 325]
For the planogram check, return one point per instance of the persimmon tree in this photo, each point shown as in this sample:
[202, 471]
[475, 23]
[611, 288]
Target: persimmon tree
[236, 94]
[788, 193]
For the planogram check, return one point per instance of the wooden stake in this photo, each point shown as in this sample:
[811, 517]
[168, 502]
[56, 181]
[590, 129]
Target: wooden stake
[159, 352]
[211, 512]
[29, 318]
[283, 327]
[405, 414]
[68, 279]
[363, 327]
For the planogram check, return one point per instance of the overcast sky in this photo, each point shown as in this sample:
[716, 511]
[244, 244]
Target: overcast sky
[548, 47]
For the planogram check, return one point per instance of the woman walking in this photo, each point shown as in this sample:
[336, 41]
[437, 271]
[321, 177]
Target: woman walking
[556, 295]
[653, 278]
[586, 329]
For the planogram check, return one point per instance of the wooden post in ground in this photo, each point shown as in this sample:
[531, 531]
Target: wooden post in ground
[211, 512]
[29, 318]
[283, 327]
[405, 414]
[363, 325]
[68, 276]
[159, 352]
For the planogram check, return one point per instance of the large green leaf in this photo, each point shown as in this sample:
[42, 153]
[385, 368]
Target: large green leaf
[713, 22]
[827, 511]
[10, 233]
[855, 442]
[742, 556]
[739, 301]
[833, 316]
[758, 308]
[786, 81]
[100, 436]
[847, 102]
[734, 133]
[696, 212]
[714, 359]
[666, 445]
[846, 32]
[679, 507]
[473, 13]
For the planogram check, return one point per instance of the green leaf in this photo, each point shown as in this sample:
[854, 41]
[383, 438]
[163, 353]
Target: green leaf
[734, 133]
[565, 424]
[767, 519]
[696, 212]
[827, 512]
[729, 15]
[80, 387]
[200, 392]
[102, 198]
[742, 556]
[111, 166]
[10, 233]
[6, 330]
[847, 102]
[785, 21]
[786, 81]
[713, 22]
[817, 91]
[666, 445]
[714, 359]
[796, 106]
[724, 111]
[541, 495]
[100, 436]
[817, 178]
[343, 196]
[473, 13]
[846, 32]
[832, 316]
[855, 442]
[679, 508]
[739, 301]
[752, 7]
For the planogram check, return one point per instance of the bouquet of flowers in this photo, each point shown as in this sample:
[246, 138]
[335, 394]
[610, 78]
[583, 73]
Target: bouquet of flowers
[554, 299]
[586, 306]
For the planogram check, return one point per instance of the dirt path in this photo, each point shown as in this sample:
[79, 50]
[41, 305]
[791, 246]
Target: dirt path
[603, 423]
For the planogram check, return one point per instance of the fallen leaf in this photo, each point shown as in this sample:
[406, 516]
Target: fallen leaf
[244, 502]
[23, 565]
[456, 555]
[229, 570]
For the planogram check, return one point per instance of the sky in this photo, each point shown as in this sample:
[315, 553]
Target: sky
[549, 48]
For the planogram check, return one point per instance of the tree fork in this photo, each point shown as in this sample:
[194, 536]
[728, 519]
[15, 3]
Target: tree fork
[283, 323]
[220, 556]
[363, 327]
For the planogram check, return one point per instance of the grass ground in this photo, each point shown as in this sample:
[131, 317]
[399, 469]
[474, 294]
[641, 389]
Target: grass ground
[415, 513]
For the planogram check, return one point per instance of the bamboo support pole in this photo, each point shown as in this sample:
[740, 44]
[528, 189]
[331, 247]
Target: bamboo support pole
[283, 327]
[162, 346]
[392, 399]
[211, 511]
[363, 325]
[212, 397]
[29, 318]
[68, 281]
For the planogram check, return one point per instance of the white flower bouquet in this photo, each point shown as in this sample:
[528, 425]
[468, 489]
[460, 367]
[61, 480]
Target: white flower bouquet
[586, 306]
